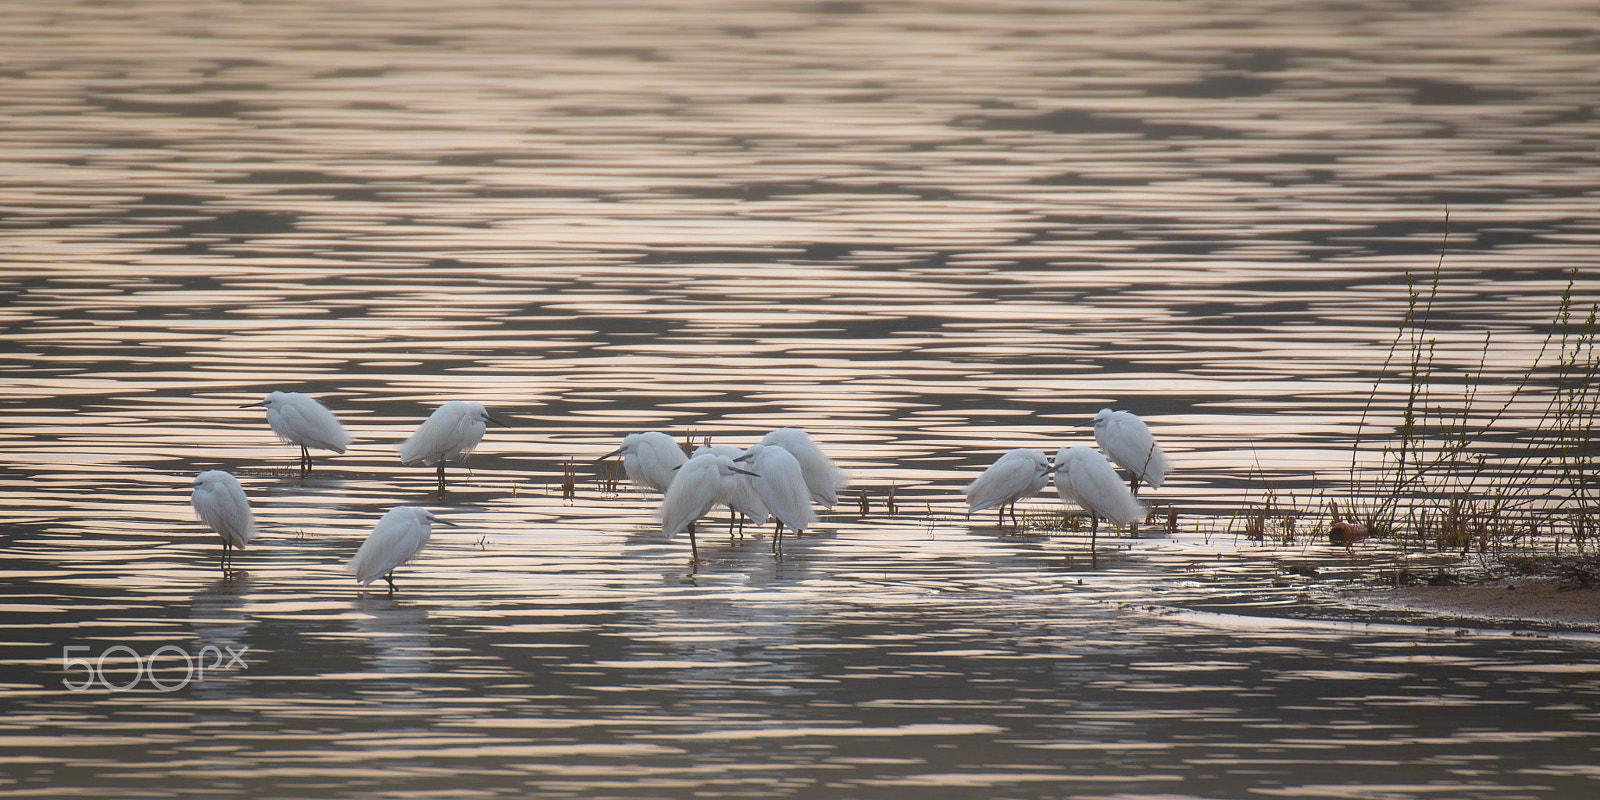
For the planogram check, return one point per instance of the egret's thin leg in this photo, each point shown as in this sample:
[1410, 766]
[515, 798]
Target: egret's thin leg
[1094, 530]
[388, 578]
[441, 476]
[1133, 529]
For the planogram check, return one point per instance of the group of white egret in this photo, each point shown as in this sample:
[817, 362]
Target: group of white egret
[1083, 476]
[782, 478]
[452, 431]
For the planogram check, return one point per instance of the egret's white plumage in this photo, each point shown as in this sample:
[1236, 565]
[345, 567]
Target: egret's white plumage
[1127, 440]
[452, 431]
[1017, 475]
[703, 481]
[399, 536]
[649, 459]
[1086, 478]
[781, 485]
[744, 498]
[822, 478]
[304, 421]
[220, 503]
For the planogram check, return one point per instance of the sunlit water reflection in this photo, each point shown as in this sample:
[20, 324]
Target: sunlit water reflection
[927, 233]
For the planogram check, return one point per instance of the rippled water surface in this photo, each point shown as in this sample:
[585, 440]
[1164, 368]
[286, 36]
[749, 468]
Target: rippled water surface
[926, 232]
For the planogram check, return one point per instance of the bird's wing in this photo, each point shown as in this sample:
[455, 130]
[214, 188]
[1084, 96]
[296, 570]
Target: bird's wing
[654, 461]
[316, 425]
[464, 434]
[224, 508]
[1101, 490]
[1005, 480]
[690, 496]
[440, 438]
[783, 489]
[1137, 450]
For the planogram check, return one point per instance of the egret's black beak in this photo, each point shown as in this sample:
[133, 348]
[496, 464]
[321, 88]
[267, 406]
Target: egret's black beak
[495, 421]
[745, 457]
[443, 521]
[617, 452]
[255, 405]
[744, 472]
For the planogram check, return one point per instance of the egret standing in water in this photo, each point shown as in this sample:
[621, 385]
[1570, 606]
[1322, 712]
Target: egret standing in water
[704, 481]
[1127, 440]
[219, 500]
[1017, 475]
[823, 479]
[649, 459]
[398, 538]
[298, 419]
[1086, 478]
[781, 486]
[451, 431]
[744, 502]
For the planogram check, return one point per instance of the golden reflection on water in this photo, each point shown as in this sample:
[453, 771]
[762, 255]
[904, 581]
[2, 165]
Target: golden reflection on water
[927, 233]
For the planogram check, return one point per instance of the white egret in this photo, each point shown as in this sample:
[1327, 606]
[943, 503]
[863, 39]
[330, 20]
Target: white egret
[453, 430]
[1086, 478]
[302, 420]
[703, 481]
[781, 485]
[822, 478]
[1017, 475]
[220, 502]
[649, 459]
[1127, 440]
[744, 499]
[397, 539]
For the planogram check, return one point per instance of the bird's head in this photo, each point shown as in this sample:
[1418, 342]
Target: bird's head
[483, 415]
[432, 518]
[208, 478]
[271, 400]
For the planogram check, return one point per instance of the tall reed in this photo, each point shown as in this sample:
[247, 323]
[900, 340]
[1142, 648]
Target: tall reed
[1478, 455]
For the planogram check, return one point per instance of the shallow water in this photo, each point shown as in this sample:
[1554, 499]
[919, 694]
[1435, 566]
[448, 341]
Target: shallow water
[927, 233]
